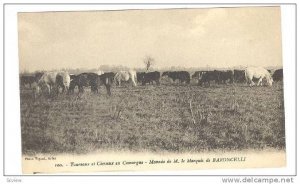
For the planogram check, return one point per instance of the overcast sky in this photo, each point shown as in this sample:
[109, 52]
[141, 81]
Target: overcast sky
[218, 37]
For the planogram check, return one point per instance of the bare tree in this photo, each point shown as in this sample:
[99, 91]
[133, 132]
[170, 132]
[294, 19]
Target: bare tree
[148, 61]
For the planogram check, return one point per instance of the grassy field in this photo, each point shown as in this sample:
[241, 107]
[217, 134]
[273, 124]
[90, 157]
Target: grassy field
[166, 118]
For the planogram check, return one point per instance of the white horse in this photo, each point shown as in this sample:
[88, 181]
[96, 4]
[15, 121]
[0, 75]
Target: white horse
[258, 73]
[53, 79]
[126, 76]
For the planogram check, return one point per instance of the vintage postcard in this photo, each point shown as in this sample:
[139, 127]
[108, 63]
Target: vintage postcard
[163, 89]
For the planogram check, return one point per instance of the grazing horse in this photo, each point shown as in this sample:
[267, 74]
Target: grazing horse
[125, 76]
[63, 80]
[50, 80]
[258, 73]
[46, 82]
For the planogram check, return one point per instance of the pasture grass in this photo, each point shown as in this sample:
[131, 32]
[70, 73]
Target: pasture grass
[165, 118]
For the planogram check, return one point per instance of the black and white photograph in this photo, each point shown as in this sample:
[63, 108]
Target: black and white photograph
[136, 89]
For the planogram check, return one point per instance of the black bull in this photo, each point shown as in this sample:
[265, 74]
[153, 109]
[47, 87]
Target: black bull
[182, 76]
[220, 77]
[239, 76]
[278, 75]
[30, 79]
[149, 77]
[93, 80]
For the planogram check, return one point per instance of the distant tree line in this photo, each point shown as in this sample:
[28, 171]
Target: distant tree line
[115, 68]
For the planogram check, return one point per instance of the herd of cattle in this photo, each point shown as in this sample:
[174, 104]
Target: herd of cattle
[49, 81]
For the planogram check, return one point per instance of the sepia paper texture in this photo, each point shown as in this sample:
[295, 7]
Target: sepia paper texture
[165, 89]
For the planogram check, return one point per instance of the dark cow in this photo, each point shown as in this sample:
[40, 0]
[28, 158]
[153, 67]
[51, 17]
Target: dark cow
[198, 75]
[30, 78]
[139, 76]
[224, 76]
[75, 82]
[208, 77]
[182, 76]
[27, 79]
[91, 79]
[278, 75]
[110, 75]
[72, 76]
[271, 71]
[239, 76]
[83, 80]
[38, 75]
[149, 77]
[107, 80]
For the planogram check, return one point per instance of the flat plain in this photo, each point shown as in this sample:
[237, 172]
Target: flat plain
[173, 118]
